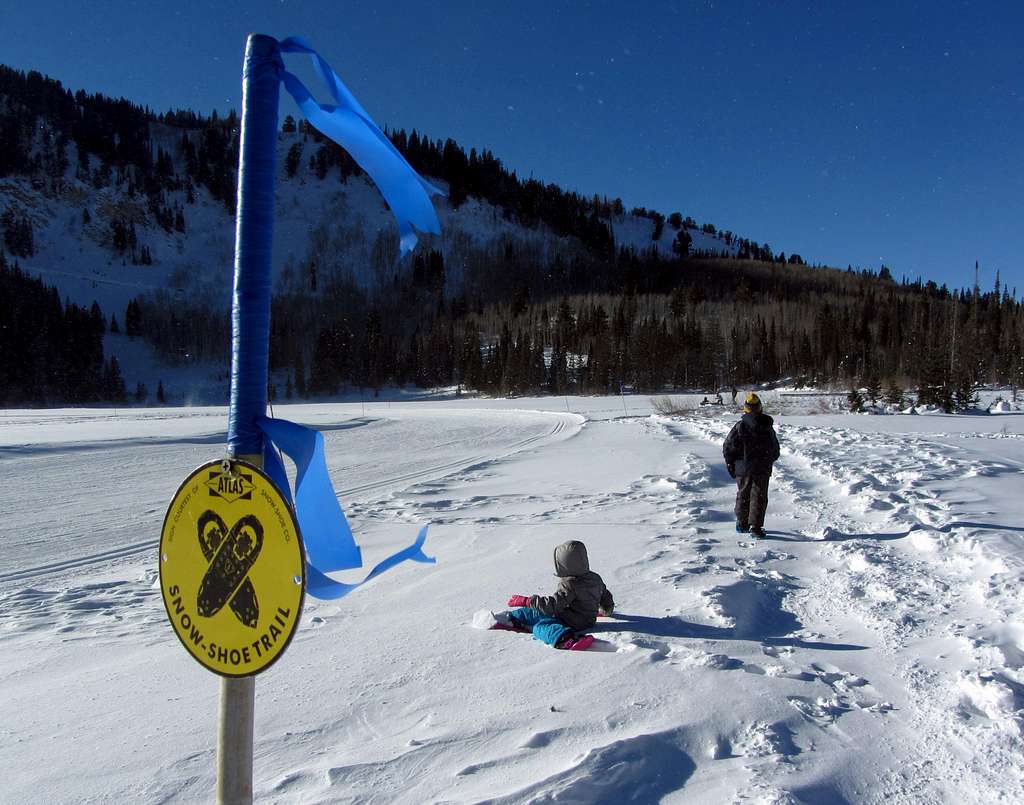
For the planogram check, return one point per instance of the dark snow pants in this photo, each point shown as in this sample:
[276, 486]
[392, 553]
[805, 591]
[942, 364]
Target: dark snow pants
[751, 499]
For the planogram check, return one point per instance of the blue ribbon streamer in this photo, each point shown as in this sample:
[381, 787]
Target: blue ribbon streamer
[328, 538]
[320, 586]
[348, 124]
[330, 544]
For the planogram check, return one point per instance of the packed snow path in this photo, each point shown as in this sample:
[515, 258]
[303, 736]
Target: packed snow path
[870, 650]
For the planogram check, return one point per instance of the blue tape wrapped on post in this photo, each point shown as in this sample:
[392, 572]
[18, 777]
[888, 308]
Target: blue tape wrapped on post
[326, 534]
[254, 233]
[348, 124]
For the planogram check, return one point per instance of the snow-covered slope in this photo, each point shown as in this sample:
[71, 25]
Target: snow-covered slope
[869, 650]
[325, 229]
[637, 232]
[344, 227]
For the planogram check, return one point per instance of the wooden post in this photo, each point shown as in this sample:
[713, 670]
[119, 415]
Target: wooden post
[234, 740]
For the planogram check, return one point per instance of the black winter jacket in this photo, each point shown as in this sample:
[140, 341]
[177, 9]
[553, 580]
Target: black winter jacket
[751, 446]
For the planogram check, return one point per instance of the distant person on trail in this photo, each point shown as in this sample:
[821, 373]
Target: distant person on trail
[750, 450]
[560, 620]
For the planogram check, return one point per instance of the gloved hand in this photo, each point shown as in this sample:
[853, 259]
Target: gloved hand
[732, 470]
[519, 601]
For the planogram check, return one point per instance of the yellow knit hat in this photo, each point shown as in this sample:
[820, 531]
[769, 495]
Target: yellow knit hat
[752, 404]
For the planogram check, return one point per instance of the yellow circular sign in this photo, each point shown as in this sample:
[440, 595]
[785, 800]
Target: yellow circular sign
[232, 568]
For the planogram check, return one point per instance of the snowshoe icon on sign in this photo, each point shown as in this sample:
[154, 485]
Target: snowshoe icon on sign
[231, 555]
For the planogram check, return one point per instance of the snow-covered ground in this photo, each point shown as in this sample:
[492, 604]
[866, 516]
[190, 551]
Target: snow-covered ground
[871, 649]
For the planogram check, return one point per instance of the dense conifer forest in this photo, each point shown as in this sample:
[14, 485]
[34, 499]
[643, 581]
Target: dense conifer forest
[591, 316]
[51, 350]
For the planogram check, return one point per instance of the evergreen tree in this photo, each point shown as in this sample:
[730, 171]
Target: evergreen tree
[133, 318]
[894, 394]
[872, 388]
[292, 159]
[944, 398]
[855, 400]
[19, 238]
[682, 243]
[964, 394]
[113, 382]
[161, 397]
[659, 225]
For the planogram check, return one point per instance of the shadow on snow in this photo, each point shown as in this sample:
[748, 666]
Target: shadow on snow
[838, 536]
[678, 628]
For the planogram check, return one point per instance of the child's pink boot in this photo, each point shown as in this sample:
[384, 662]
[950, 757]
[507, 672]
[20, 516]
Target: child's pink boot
[581, 643]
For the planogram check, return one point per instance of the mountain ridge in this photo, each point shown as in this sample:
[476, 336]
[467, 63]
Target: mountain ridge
[528, 287]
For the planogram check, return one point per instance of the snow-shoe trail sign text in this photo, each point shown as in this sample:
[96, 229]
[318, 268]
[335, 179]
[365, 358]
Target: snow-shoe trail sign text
[232, 568]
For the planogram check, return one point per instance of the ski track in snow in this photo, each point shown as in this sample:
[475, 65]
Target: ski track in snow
[38, 475]
[110, 611]
[869, 650]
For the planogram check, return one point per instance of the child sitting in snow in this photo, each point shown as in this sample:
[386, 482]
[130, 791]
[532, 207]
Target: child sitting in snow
[560, 619]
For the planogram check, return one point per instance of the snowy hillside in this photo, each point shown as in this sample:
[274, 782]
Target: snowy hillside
[868, 651]
[637, 232]
[315, 218]
[326, 229]
[337, 223]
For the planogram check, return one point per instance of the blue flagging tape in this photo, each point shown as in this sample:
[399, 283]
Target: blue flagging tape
[330, 544]
[320, 586]
[348, 124]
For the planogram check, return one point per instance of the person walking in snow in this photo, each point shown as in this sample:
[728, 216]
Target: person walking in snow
[750, 450]
[561, 619]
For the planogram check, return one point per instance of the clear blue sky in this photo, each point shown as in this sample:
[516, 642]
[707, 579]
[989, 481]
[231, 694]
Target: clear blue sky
[855, 133]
